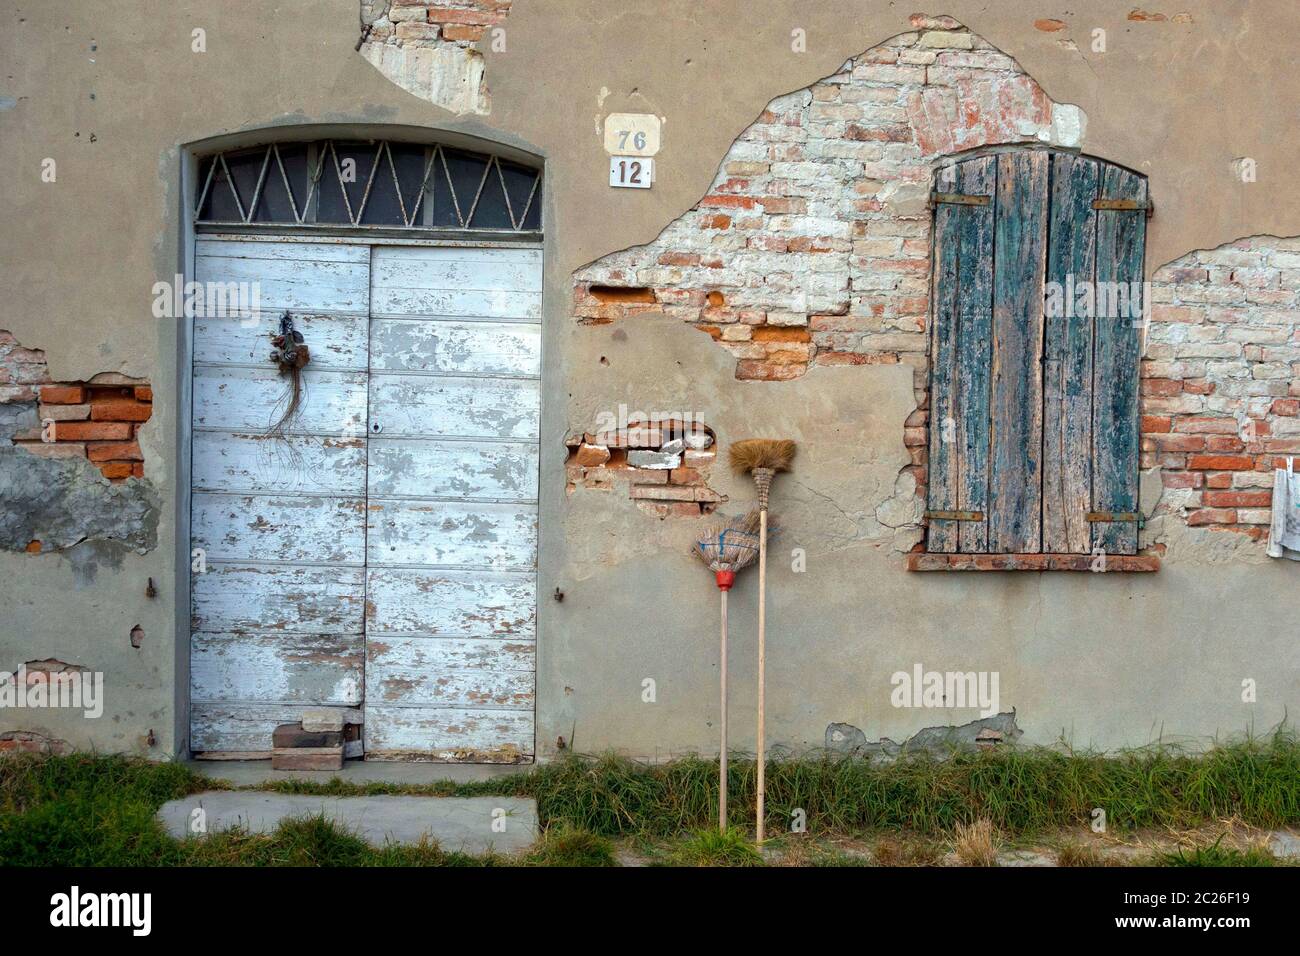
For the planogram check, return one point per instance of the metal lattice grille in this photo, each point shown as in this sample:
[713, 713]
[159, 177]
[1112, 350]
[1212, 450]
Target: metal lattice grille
[379, 184]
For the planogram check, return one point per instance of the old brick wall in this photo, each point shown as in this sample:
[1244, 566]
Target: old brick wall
[1221, 381]
[427, 47]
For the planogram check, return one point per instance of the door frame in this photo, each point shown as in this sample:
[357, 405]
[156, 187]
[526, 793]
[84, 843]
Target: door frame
[190, 156]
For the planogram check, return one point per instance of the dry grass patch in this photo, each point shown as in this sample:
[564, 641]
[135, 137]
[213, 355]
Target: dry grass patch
[977, 844]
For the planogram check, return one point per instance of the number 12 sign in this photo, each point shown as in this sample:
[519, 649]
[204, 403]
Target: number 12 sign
[631, 172]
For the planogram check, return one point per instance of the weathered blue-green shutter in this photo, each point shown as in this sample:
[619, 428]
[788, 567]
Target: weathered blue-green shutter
[1033, 410]
[1016, 389]
[1067, 357]
[1121, 239]
[959, 419]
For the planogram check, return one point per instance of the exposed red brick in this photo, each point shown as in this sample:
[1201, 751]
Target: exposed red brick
[1212, 516]
[1161, 386]
[1217, 426]
[463, 31]
[1237, 499]
[1223, 443]
[1172, 442]
[779, 333]
[109, 451]
[91, 431]
[475, 17]
[62, 394]
[120, 410]
[754, 370]
[1221, 462]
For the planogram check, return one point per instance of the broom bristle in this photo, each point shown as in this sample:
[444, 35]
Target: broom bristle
[729, 545]
[772, 453]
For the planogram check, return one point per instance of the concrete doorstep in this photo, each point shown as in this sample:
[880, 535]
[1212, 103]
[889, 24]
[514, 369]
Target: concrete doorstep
[472, 825]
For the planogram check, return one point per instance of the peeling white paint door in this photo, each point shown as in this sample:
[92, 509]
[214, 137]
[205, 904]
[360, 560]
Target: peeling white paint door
[383, 552]
[451, 533]
[278, 594]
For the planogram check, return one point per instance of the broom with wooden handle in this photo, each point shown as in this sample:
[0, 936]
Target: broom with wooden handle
[729, 546]
[762, 458]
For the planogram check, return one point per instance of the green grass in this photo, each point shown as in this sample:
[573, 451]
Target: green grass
[85, 810]
[561, 846]
[1215, 854]
[714, 848]
[1020, 791]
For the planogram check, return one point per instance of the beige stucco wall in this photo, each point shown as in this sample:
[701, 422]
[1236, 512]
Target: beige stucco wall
[113, 92]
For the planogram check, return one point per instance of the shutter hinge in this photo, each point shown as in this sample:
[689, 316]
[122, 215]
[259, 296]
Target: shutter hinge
[1125, 205]
[1104, 516]
[955, 515]
[960, 199]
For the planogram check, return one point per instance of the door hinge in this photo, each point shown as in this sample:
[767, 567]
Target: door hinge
[1103, 516]
[955, 515]
[1125, 205]
[960, 199]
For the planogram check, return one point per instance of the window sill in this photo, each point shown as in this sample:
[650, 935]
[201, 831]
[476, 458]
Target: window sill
[922, 561]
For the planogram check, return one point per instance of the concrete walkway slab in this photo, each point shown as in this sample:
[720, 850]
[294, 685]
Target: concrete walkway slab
[457, 823]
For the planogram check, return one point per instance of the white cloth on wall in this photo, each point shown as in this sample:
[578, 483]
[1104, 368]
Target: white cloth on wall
[1284, 531]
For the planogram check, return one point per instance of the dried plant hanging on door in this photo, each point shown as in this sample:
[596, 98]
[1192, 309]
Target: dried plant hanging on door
[290, 355]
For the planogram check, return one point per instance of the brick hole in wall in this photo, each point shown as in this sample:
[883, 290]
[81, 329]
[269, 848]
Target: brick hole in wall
[96, 419]
[661, 464]
[98, 422]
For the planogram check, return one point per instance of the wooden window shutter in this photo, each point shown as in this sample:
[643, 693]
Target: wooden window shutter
[1016, 392]
[1121, 245]
[1033, 411]
[959, 394]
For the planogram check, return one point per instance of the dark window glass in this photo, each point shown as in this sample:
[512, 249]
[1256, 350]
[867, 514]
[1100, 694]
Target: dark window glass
[355, 161]
[274, 206]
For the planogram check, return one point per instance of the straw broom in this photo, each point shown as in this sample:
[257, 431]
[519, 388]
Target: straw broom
[762, 458]
[728, 547]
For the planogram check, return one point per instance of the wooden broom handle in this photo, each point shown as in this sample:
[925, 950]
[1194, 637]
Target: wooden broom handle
[722, 772]
[762, 660]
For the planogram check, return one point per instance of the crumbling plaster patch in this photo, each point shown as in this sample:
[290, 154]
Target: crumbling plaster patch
[52, 495]
[427, 47]
[981, 734]
[62, 502]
